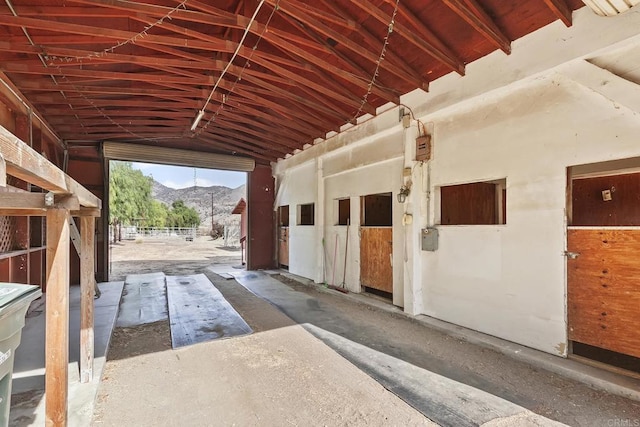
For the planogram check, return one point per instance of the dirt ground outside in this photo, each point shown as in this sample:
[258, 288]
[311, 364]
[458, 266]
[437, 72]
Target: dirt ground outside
[173, 256]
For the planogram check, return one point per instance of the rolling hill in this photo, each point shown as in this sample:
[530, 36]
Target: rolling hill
[200, 198]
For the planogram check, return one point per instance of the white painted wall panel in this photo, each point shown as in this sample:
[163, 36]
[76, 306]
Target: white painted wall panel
[299, 186]
[382, 177]
[509, 280]
[518, 117]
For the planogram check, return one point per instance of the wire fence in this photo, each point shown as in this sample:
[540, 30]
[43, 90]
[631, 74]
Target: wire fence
[230, 234]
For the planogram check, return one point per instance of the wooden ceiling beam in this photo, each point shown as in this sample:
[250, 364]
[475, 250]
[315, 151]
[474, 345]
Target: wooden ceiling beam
[291, 49]
[59, 115]
[281, 130]
[113, 34]
[62, 40]
[255, 114]
[238, 144]
[105, 75]
[305, 115]
[232, 148]
[93, 123]
[561, 10]
[427, 41]
[230, 127]
[82, 103]
[355, 68]
[370, 39]
[300, 15]
[69, 11]
[106, 86]
[245, 138]
[475, 15]
[216, 16]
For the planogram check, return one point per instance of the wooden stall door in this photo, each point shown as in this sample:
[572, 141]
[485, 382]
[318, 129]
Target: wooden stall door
[283, 246]
[376, 263]
[603, 288]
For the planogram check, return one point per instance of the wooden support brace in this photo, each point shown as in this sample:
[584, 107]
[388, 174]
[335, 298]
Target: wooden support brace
[87, 286]
[75, 239]
[25, 163]
[57, 318]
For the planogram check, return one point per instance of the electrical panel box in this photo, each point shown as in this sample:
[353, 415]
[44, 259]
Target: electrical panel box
[429, 239]
[423, 148]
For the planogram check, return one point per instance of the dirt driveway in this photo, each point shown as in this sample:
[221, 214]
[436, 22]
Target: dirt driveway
[171, 255]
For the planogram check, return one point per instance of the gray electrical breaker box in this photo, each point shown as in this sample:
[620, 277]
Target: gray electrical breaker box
[429, 239]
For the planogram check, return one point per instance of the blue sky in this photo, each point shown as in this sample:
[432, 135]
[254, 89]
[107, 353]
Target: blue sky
[182, 177]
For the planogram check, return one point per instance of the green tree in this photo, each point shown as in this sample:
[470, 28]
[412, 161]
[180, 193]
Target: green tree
[129, 194]
[158, 214]
[181, 215]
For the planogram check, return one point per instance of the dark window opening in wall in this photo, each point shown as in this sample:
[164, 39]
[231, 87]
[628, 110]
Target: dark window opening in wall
[283, 216]
[344, 211]
[377, 210]
[306, 214]
[478, 203]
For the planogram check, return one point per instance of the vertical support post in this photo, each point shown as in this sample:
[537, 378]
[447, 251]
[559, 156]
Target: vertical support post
[260, 233]
[87, 281]
[57, 318]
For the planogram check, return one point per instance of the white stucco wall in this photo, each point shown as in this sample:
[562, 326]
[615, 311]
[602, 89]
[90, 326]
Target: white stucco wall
[524, 117]
[509, 280]
[296, 187]
[372, 165]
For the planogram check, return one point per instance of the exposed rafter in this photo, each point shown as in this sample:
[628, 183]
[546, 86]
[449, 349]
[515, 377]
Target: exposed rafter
[472, 12]
[561, 10]
[139, 71]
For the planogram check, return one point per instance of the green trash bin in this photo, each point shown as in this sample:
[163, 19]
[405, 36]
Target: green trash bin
[14, 302]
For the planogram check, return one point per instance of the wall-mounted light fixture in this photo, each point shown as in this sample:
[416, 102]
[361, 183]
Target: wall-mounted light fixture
[404, 192]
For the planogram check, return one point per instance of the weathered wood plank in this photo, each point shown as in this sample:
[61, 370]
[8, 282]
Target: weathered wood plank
[25, 163]
[376, 266]
[603, 289]
[34, 201]
[57, 318]
[87, 284]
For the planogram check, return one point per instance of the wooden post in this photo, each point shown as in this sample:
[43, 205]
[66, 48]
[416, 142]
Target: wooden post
[57, 318]
[87, 279]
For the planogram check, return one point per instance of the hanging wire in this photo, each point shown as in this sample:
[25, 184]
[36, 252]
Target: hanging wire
[379, 61]
[244, 36]
[225, 98]
[131, 40]
[54, 61]
[101, 111]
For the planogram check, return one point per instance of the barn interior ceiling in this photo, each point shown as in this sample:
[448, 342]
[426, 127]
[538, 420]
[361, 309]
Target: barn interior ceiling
[243, 77]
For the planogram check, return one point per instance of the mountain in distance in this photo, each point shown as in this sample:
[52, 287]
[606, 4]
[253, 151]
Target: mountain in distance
[199, 198]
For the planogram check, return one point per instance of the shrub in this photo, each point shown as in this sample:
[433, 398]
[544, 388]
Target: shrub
[217, 230]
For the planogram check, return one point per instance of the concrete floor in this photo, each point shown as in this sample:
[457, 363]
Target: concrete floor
[351, 324]
[288, 374]
[27, 403]
[318, 357]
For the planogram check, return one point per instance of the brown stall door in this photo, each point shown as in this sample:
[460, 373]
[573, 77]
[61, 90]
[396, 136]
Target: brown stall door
[376, 270]
[376, 266]
[603, 268]
[603, 289]
[283, 246]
